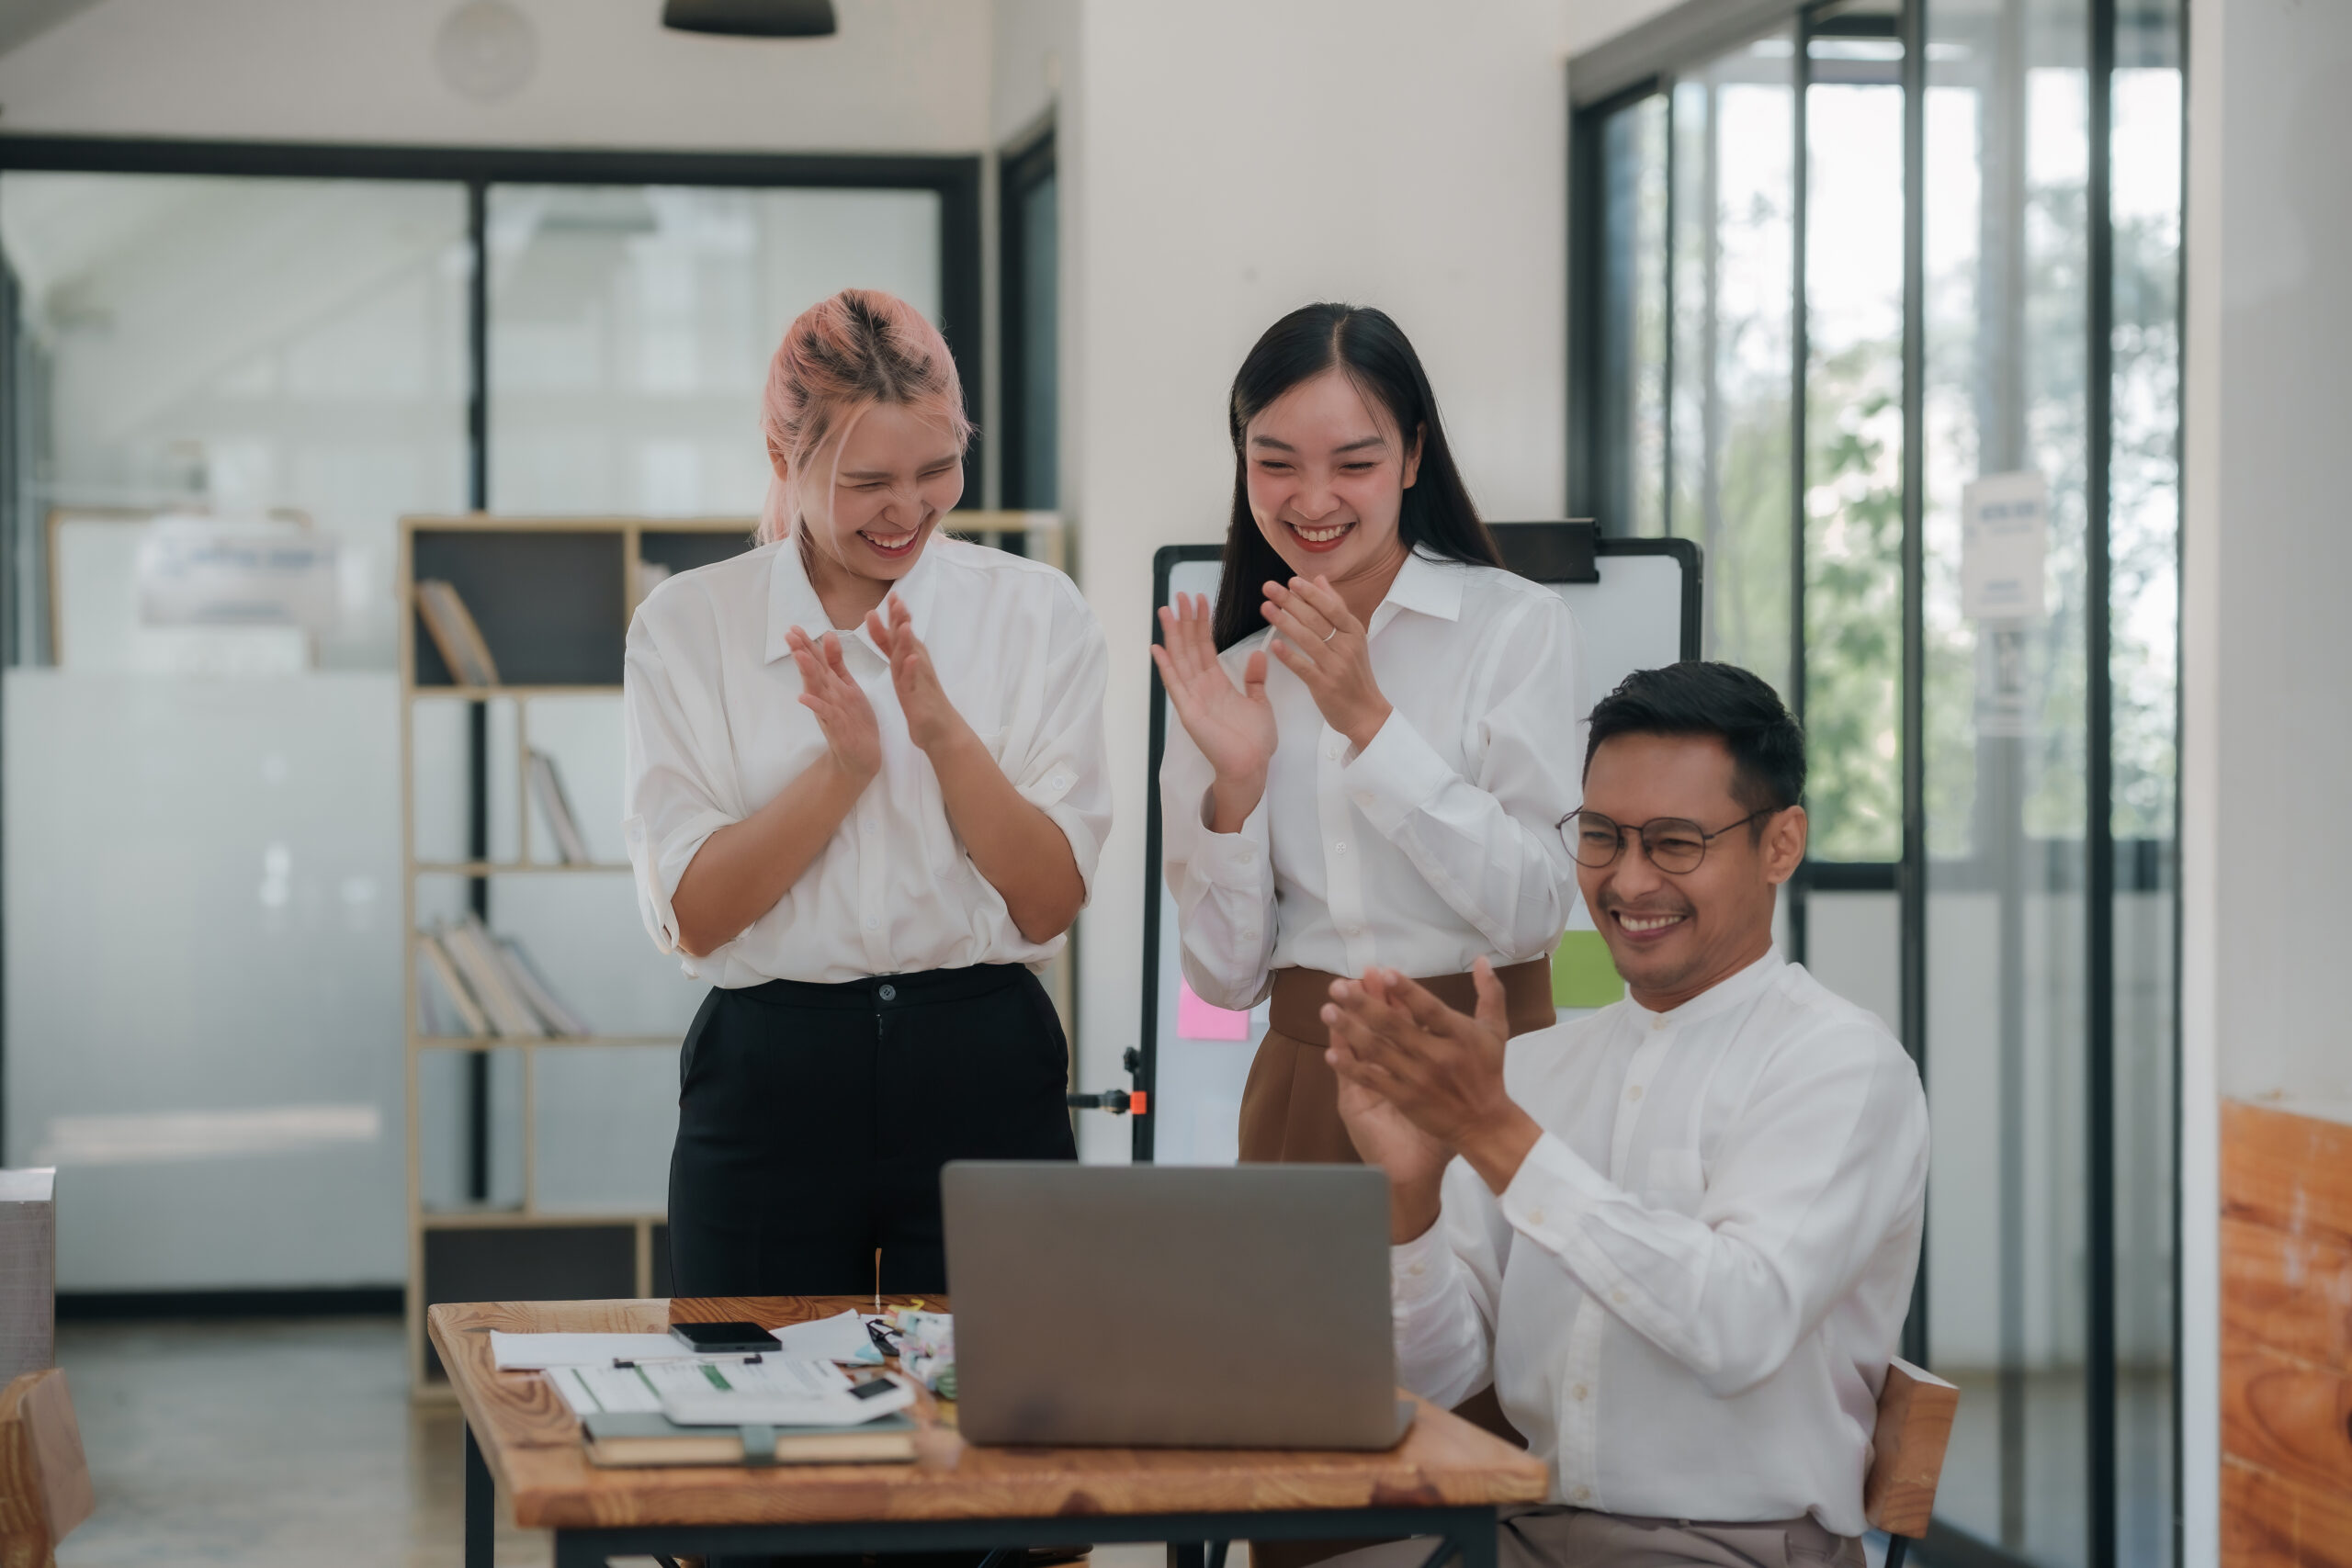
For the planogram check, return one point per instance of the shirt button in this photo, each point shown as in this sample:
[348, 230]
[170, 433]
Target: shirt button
[1059, 781]
[1581, 1391]
[874, 922]
[1339, 846]
[1535, 1216]
[1418, 1269]
[1247, 855]
[1657, 1023]
[1351, 931]
[1635, 1092]
[1582, 1494]
[888, 993]
[1333, 750]
[1249, 933]
[1618, 1297]
[1363, 798]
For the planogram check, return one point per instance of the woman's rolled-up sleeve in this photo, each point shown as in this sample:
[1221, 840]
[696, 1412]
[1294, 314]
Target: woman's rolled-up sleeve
[675, 796]
[1488, 845]
[1066, 773]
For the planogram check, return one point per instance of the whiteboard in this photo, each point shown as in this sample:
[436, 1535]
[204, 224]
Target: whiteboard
[1193, 1059]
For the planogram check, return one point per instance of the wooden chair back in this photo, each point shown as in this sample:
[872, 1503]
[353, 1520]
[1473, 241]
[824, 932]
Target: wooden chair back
[1915, 1412]
[44, 1481]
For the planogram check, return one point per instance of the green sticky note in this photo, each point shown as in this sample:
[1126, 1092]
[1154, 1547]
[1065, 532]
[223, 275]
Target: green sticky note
[1582, 975]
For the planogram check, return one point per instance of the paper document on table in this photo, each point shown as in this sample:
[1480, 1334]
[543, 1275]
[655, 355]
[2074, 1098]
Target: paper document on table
[840, 1338]
[781, 1390]
[536, 1352]
[605, 1390]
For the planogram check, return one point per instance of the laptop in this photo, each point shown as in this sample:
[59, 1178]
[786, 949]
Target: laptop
[1170, 1306]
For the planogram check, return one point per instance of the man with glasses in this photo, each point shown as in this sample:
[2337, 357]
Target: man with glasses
[1676, 1236]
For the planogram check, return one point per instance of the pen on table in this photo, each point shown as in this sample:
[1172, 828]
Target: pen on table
[620, 1362]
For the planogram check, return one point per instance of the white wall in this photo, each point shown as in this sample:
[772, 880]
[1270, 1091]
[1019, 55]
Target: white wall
[901, 75]
[1240, 160]
[1592, 22]
[2277, 636]
[2266, 745]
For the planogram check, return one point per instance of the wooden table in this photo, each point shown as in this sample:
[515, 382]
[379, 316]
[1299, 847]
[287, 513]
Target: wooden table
[1445, 1479]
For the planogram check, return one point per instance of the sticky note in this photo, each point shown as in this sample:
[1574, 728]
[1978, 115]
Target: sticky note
[1195, 1019]
[1582, 975]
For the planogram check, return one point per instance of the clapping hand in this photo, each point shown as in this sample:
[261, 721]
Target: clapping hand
[931, 718]
[1434, 1069]
[1322, 643]
[1233, 726]
[1415, 1162]
[852, 738]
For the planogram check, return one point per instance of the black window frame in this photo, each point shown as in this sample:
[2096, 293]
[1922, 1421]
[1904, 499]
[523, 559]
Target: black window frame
[1020, 171]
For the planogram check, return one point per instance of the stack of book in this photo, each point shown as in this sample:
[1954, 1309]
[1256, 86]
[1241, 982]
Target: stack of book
[471, 983]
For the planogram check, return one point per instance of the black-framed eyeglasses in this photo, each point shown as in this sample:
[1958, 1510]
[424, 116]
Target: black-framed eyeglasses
[1675, 844]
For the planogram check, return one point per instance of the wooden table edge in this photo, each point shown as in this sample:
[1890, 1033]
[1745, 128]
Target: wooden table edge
[478, 1425]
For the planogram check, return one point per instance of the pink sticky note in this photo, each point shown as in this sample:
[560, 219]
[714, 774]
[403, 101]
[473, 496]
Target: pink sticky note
[1195, 1019]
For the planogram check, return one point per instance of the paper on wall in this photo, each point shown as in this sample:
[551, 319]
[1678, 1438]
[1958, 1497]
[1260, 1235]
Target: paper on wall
[2004, 540]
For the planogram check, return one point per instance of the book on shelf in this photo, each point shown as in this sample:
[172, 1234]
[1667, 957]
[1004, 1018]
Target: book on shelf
[547, 788]
[494, 985]
[477, 957]
[437, 979]
[559, 1018]
[452, 628]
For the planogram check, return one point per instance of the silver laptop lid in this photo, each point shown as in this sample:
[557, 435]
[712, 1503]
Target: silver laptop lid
[1149, 1305]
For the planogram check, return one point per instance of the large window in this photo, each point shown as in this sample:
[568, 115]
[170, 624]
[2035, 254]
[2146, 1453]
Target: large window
[1956, 301]
[204, 891]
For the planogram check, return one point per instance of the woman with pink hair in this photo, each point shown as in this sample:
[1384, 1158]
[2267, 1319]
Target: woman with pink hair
[867, 792]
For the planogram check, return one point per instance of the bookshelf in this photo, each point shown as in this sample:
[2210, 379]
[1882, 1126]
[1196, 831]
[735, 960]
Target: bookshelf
[552, 598]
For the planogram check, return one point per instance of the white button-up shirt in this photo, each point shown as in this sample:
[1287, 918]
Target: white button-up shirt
[1688, 1295]
[714, 729]
[1436, 844]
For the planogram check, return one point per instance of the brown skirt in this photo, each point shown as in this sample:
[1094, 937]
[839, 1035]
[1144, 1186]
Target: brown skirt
[1290, 1107]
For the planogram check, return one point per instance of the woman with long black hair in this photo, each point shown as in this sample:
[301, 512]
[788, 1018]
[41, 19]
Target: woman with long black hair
[1378, 722]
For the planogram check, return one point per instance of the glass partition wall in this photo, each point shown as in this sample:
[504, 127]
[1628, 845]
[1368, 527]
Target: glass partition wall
[317, 341]
[1835, 368]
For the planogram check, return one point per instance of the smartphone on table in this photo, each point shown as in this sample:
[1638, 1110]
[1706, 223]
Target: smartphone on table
[723, 1339]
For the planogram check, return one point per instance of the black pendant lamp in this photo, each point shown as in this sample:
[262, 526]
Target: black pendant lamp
[751, 18]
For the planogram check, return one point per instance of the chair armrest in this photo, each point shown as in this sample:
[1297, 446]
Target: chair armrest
[1915, 1412]
[44, 1481]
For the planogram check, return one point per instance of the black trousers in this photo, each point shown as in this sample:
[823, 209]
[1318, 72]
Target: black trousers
[813, 1120]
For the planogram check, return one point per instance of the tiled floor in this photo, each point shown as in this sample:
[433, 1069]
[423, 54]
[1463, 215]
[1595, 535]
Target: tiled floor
[266, 1444]
[286, 1443]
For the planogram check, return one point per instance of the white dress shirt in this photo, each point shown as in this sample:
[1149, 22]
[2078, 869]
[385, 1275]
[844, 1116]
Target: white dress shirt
[1687, 1297]
[714, 729]
[1434, 845]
